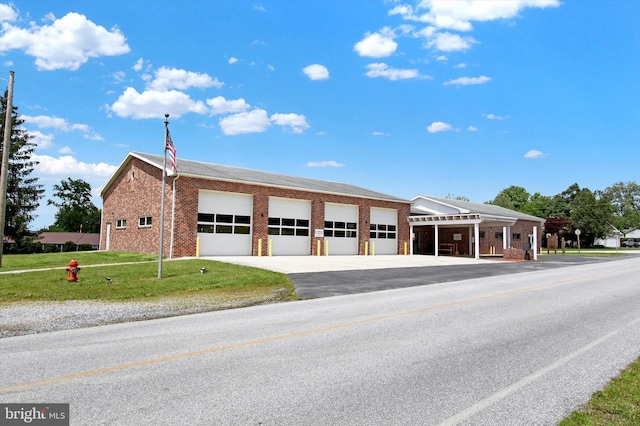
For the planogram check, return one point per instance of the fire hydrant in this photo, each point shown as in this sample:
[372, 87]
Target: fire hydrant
[73, 270]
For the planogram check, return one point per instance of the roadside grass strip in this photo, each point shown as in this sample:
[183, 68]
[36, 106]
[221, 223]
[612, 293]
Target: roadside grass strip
[617, 404]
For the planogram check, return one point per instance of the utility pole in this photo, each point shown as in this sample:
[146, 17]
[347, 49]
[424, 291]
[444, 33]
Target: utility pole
[6, 146]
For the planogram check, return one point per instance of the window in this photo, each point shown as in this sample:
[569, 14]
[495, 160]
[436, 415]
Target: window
[482, 234]
[205, 229]
[498, 235]
[288, 226]
[121, 223]
[210, 223]
[144, 221]
[516, 236]
[382, 231]
[224, 229]
[203, 217]
[340, 229]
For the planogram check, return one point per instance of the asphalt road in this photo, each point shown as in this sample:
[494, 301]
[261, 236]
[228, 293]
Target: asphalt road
[334, 283]
[517, 349]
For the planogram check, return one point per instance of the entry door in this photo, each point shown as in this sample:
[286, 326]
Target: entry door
[107, 243]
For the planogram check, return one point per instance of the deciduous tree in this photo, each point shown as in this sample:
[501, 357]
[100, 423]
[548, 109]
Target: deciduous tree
[76, 211]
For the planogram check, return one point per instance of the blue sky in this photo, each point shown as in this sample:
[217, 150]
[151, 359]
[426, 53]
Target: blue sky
[460, 98]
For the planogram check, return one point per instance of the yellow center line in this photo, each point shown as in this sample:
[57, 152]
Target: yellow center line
[292, 335]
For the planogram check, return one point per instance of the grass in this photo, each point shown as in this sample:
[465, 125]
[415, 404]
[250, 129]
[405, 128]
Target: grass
[588, 252]
[16, 262]
[137, 281]
[618, 404]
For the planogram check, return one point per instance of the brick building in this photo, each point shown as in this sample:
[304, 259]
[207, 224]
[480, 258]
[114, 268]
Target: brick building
[470, 229]
[223, 210]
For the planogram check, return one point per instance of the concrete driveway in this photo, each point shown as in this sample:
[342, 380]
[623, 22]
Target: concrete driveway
[325, 276]
[307, 264]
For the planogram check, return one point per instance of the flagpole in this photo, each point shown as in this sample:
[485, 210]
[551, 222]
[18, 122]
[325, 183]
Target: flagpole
[164, 174]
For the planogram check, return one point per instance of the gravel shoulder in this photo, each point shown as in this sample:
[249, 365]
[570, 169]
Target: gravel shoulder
[19, 319]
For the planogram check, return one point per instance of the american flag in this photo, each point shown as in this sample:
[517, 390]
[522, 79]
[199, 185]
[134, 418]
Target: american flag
[172, 153]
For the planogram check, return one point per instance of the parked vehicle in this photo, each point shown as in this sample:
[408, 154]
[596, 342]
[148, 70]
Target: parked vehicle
[630, 243]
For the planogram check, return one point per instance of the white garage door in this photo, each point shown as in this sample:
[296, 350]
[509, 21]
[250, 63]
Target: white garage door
[224, 223]
[341, 228]
[289, 223]
[383, 230]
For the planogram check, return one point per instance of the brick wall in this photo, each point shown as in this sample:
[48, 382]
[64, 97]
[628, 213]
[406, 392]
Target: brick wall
[136, 192]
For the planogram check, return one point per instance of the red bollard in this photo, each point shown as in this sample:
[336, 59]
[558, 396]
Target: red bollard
[73, 270]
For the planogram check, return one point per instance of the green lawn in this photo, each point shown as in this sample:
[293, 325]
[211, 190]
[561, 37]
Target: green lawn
[16, 262]
[134, 282]
[617, 404]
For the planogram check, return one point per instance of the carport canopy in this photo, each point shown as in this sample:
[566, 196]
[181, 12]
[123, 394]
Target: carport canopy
[443, 212]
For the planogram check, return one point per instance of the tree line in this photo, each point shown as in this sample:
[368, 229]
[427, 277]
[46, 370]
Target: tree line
[596, 213]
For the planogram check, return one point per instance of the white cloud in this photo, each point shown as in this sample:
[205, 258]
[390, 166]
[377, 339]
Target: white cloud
[377, 45]
[442, 58]
[233, 60]
[382, 70]
[119, 76]
[67, 43]
[458, 15]
[460, 65]
[220, 105]
[297, 123]
[472, 129]
[173, 78]
[41, 140]
[466, 81]
[439, 126]
[496, 117]
[534, 153]
[441, 16]
[7, 13]
[255, 121]
[155, 104]
[379, 134]
[324, 164]
[138, 65]
[60, 124]
[65, 150]
[60, 166]
[316, 72]
[448, 42]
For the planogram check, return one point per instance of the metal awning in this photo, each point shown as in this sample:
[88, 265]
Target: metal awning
[461, 219]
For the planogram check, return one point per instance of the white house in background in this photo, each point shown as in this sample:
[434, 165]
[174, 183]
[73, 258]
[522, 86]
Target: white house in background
[614, 239]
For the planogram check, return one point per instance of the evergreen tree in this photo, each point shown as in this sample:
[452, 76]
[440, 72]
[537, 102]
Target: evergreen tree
[23, 190]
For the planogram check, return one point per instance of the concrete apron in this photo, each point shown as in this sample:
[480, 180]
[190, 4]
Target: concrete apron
[302, 264]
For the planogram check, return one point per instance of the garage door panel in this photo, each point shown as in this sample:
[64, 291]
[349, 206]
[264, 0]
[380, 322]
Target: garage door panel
[224, 223]
[289, 226]
[383, 230]
[341, 228]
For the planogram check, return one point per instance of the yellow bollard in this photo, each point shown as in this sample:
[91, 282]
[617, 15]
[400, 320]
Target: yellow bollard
[326, 248]
[366, 248]
[198, 247]
[318, 248]
[270, 247]
[373, 248]
[405, 248]
[260, 247]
